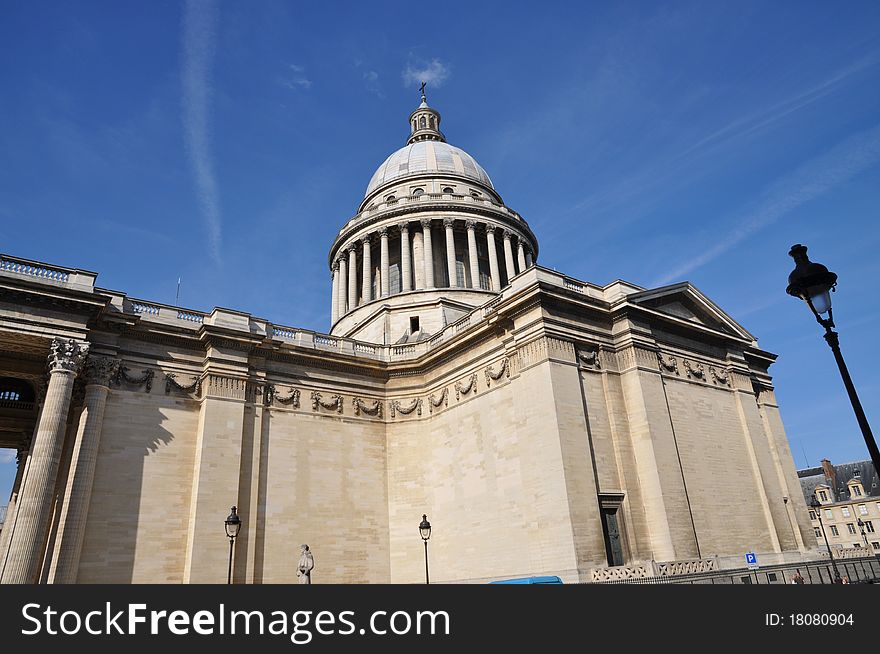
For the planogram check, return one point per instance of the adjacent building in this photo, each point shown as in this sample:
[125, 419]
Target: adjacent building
[546, 425]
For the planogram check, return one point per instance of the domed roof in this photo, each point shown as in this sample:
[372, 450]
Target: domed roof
[427, 157]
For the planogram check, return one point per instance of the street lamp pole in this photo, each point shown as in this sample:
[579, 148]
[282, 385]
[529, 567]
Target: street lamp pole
[425, 532]
[817, 507]
[812, 282]
[864, 536]
[233, 525]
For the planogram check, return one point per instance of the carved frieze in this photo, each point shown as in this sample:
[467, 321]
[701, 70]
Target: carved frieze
[694, 370]
[442, 400]
[290, 399]
[334, 404]
[415, 405]
[370, 408]
[503, 371]
[461, 389]
[193, 388]
[669, 364]
[145, 379]
[719, 376]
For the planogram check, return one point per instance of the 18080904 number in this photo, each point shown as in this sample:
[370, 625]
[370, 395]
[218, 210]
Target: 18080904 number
[820, 619]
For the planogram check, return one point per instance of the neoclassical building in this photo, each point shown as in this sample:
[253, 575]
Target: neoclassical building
[546, 425]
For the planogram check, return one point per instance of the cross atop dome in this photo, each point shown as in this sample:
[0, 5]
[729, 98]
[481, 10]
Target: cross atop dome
[424, 122]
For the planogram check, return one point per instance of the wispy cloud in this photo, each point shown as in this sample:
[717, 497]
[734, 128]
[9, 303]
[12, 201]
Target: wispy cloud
[296, 78]
[199, 36]
[7, 456]
[434, 72]
[807, 182]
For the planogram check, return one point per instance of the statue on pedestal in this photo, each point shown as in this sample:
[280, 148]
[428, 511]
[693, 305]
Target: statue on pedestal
[306, 563]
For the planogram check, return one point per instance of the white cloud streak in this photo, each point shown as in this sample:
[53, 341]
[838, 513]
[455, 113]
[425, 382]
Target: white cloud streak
[7, 456]
[199, 37]
[807, 182]
[434, 73]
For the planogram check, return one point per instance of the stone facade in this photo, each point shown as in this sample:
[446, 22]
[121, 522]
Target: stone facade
[545, 425]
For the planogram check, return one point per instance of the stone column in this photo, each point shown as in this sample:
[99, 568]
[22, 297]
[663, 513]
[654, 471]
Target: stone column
[35, 503]
[520, 255]
[493, 258]
[472, 253]
[72, 525]
[386, 265]
[405, 260]
[529, 261]
[22, 458]
[342, 299]
[366, 270]
[418, 253]
[334, 300]
[508, 255]
[352, 277]
[429, 253]
[448, 224]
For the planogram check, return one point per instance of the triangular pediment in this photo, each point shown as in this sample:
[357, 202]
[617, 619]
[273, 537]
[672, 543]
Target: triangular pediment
[685, 302]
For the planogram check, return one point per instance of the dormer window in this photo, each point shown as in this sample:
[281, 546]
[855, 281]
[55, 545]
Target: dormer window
[476, 194]
[448, 189]
[856, 490]
[390, 198]
[823, 495]
[417, 192]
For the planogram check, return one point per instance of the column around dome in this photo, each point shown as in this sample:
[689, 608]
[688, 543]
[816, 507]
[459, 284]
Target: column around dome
[493, 258]
[384, 260]
[352, 277]
[334, 294]
[529, 261]
[342, 294]
[428, 252]
[366, 269]
[405, 258]
[449, 224]
[520, 255]
[473, 258]
[508, 255]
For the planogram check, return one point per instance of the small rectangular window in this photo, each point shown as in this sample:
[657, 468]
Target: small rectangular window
[869, 526]
[875, 544]
[771, 576]
[823, 496]
[857, 492]
[746, 580]
[828, 514]
[818, 532]
[413, 324]
[845, 511]
[834, 531]
[851, 527]
[863, 509]
[812, 515]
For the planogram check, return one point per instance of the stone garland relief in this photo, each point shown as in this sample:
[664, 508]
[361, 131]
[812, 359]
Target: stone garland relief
[670, 364]
[145, 378]
[442, 400]
[291, 399]
[694, 370]
[195, 388]
[397, 407]
[334, 404]
[371, 409]
[590, 359]
[504, 371]
[461, 389]
[719, 376]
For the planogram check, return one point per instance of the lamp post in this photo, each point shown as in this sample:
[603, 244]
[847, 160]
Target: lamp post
[233, 525]
[425, 531]
[812, 282]
[864, 536]
[817, 507]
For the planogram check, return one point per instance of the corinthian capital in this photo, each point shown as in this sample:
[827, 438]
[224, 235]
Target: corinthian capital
[403, 227]
[66, 354]
[470, 224]
[383, 232]
[100, 370]
[426, 223]
[490, 228]
[449, 222]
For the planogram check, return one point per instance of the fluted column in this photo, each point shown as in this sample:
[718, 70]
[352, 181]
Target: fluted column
[520, 255]
[508, 255]
[97, 373]
[473, 259]
[418, 254]
[352, 277]
[366, 270]
[449, 224]
[385, 262]
[35, 502]
[405, 258]
[342, 299]
[493, 258]
[334, 300]
[429, 253]
[22, 458]
[529, 260]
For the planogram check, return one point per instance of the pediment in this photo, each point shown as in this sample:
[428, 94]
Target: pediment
[686, 302]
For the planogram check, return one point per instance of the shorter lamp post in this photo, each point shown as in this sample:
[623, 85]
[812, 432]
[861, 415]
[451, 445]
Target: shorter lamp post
[425, 531]
[233, 525]
[864, 536]
[812, 282]
[817, 507]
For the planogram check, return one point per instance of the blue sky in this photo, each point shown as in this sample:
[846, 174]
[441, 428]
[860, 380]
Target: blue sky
[225, 143]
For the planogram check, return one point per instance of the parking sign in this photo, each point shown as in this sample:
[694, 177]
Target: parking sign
[751, 560]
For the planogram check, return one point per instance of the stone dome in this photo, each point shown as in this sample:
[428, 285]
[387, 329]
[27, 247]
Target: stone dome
[428, 158]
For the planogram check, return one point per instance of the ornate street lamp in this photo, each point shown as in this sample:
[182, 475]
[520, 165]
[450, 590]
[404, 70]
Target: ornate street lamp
[233, 525]
[864, 537]
[425, 531]
[813, 283]
[817, 507]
